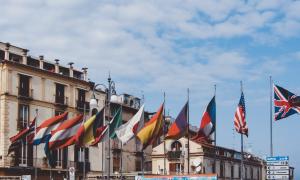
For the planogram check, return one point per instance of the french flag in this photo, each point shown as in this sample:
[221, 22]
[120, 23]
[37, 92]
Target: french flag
[43, 132]
[207, 126]
[65, 132]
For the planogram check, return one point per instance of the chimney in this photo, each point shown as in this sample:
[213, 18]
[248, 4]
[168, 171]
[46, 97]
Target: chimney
[24, 56]
[84, 70]
[56, 65]
[6, 54]
[41, 58]
[71, 69]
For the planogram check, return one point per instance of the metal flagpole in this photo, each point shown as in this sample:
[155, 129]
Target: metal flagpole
[121, 160]
[142, 163]
[102, 143]
[242, 145]
[35, 125]
[84, 146]
[164, 129]
[215, 134]
[271, 116]
[109, 95]
[188, 127]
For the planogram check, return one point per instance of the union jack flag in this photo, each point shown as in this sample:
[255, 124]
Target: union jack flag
[240, 124]
[285, 103]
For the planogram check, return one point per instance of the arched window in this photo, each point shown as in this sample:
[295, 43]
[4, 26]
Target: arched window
[176, 146]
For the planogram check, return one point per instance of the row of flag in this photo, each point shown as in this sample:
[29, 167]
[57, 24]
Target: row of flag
[60, 132]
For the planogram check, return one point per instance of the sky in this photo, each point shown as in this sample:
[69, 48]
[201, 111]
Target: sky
[151, 47]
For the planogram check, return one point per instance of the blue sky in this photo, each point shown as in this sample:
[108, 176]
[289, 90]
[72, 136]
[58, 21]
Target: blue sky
[155, 46]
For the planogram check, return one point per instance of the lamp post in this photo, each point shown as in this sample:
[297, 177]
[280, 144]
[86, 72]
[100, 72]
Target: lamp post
[93, 103]
[94, 110]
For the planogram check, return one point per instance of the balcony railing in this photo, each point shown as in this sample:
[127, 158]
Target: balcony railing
[81, 105]
[174, 155]
[25, 93]
[61, 100]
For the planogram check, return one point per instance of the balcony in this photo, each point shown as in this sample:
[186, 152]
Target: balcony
[61, 101]
[25, 94]
[174, 155]
[80, 165]
[116, 147]
[81, 105]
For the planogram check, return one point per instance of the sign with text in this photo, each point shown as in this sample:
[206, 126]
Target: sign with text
[278, 167]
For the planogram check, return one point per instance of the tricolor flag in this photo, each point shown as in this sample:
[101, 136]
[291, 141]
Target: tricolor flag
[43, 133]
[286, 103]
[87, 133]
[127, 131]
[102, 132]
[152, 128]
[240, 124]
[208, 122]
[179, 127]
[66, 131]
[24, 135]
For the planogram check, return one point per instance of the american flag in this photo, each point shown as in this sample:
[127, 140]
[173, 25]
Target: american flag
[240, 117]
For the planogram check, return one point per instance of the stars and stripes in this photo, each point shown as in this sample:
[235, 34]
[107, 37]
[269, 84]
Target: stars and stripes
[240, 124]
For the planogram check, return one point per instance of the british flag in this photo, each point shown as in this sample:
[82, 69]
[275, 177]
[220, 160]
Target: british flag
[240, 124]
[285, 103]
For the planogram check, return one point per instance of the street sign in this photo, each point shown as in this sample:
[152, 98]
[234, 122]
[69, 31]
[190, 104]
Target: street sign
[277, 176]
[278, 167]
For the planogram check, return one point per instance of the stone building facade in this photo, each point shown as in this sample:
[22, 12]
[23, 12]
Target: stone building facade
[202, 159]
[29, 84]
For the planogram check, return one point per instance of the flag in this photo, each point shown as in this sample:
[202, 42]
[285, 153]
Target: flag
[115, 123]
[44, 130]
[87, 132]
[127, 131]
[285, 102]
[179, 126]
[208, 122]
[25, 134]
[151, 129]
[240, 124]
[108, 131]
[64, 132]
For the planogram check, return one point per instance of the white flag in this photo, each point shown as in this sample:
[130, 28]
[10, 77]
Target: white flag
[125, 132]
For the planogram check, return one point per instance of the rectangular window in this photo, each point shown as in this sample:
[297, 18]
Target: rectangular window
[25, 153]
[24, 85]
[81, 101]
[60, 94]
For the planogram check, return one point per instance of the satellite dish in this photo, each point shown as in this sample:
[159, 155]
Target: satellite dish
[198, 169]
[197, 162]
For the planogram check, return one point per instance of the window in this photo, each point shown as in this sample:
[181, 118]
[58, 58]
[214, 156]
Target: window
[222, 169]
[1, 55]
[60, 94]
[81, 104]
[232, 171]
[24, 85]
[23, 116]
[24, 155]
[61, 155]
[15, 57]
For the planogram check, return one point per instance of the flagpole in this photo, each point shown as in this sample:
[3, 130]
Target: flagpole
[102, 143]
[188, 133]
[271, 116]
[164, 124]
[35, 125]
[84, 146]
[121, 161]
[215, 133]
[142, 163]
[242, 145]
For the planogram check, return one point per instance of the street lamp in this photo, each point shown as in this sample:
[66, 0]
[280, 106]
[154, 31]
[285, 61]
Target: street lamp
[93, 105]
[94, 108]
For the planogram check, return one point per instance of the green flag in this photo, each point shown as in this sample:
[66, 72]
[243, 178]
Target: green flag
[115, 123]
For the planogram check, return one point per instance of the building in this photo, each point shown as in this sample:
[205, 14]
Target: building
[29, 84]
[202, 159]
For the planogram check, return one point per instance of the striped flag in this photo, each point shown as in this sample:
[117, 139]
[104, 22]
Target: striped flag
[43, 132]
[240, 124]
[25, 134]
[152, 128]
[63, 133]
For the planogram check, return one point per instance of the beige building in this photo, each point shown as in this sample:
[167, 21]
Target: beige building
[29, 84]
[202, 158]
